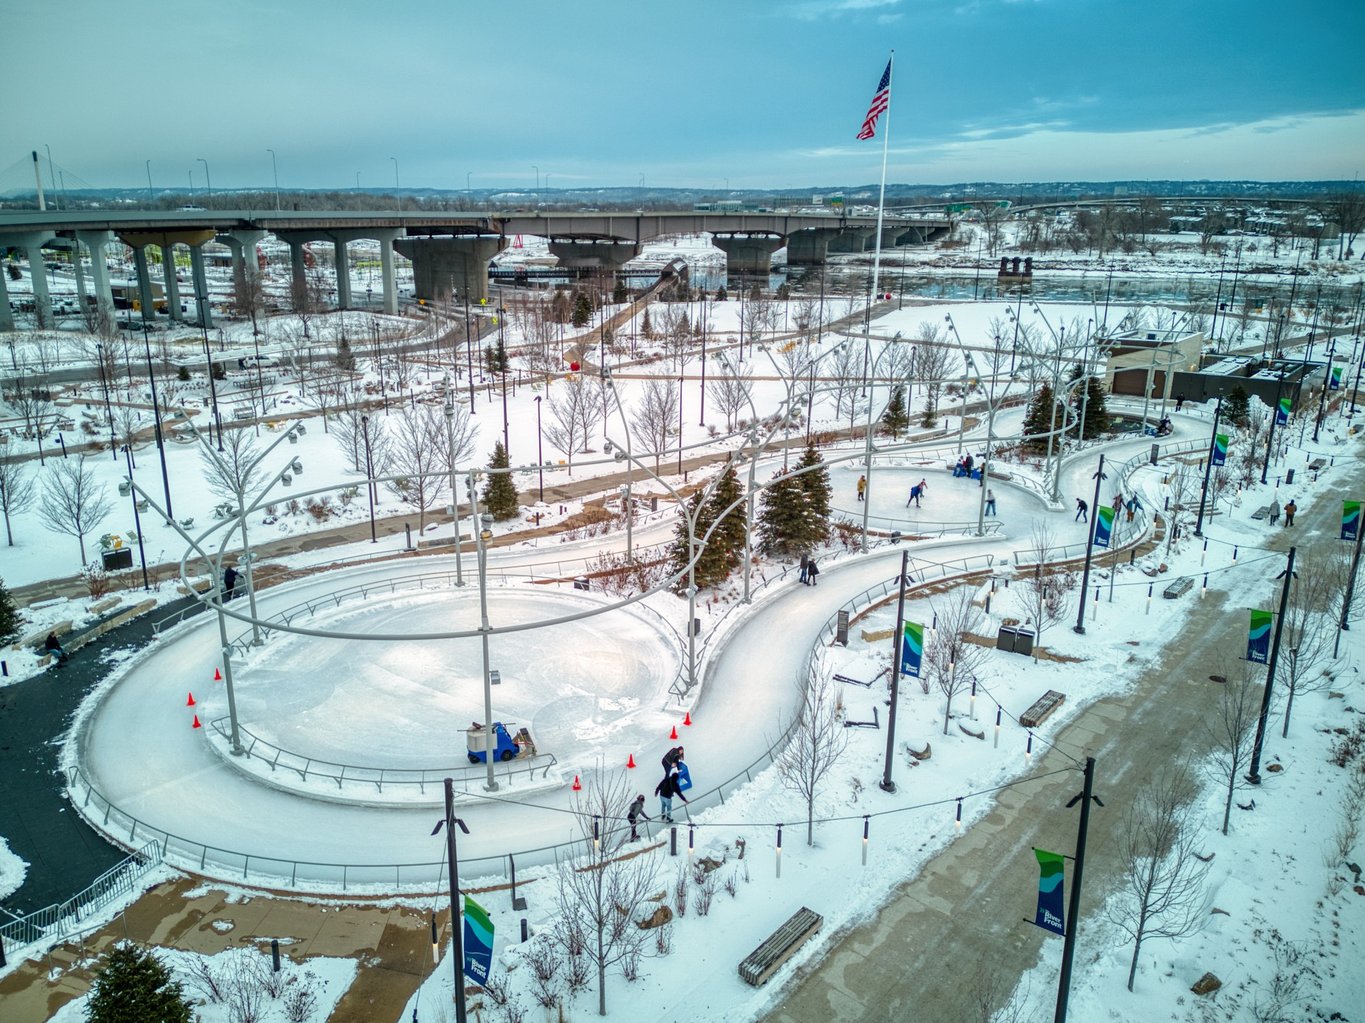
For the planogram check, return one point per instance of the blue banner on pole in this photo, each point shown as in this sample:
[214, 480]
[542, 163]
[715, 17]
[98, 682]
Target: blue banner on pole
[1104, 526]
[1051, 869]
[1258, 636]
[912, 648]
[478, 942]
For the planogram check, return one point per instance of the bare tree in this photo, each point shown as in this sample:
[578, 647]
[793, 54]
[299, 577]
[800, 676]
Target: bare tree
[127, 423]
[574, 409]
[729, 392]
[16, 491]
[1309, 630]
[931, 369]
[656, 416]
[1232, 728]
[953, 660]
[1161, 878]
[419, 455]
[844, 366]
[1043, 589]
[815, 744]
[73, 501]
[1178, 511]
[601, 894]
[232, 470]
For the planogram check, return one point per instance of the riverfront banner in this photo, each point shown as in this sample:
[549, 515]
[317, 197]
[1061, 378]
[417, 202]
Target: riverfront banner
[478, 942]
[912, 649]
[1051, 868]
[1335, 382]
[1258, 636]
[1350, 520]
[1104, 526]
[1220, 448]
[1282, 413]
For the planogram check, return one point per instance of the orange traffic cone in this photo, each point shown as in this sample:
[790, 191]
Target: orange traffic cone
[190, 701]
[687, 719]
[577, 785]
[630, 761]
[196, 722]
[217, 675]
[673, 734]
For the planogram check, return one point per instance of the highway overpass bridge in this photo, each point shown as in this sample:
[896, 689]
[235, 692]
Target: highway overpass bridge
[449, 251]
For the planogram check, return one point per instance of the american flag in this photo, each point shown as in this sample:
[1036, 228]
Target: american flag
[879, 104]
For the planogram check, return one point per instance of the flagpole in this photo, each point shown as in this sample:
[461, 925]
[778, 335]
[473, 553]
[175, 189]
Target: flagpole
[877, 255]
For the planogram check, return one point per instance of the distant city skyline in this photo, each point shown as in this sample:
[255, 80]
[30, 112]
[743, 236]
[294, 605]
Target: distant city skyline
[709, 95]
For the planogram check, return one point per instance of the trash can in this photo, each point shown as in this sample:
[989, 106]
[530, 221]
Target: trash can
[1156, 453]
[121, 558]
[581, 582]
[1023, 642]
[1288, 477]
[1006, 638]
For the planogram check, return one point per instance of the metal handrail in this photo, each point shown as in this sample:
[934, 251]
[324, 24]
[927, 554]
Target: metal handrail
[311, 767]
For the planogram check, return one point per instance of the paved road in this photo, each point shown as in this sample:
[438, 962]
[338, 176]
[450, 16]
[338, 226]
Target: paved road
[966, 912]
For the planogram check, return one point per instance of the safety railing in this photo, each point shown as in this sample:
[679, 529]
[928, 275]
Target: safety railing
[508, 771]
[58, 921]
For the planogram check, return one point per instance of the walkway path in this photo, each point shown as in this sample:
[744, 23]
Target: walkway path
[967, 911]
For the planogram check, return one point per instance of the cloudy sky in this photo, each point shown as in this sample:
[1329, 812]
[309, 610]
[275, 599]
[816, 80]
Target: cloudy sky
[707, 93]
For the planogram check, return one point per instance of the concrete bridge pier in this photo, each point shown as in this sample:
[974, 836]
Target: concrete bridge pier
[97, 242]
[298, 272]
[6, 314]
[169, 283]
[343, 265]
[457, 266]
[386, 238]
[810, 246]
[852, 240]
[201, 286]
[748, 253]
[606, 253]
[146, 300]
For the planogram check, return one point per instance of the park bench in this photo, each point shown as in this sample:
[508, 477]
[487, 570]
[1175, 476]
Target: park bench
[1178, 588]
[1317, 463]
[1263, 512]
[764, 961]
[1041, 709]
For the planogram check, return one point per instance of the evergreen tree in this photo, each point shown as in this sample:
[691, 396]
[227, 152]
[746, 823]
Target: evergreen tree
[135, 987]
[896, 417]
[10, 620]
[680, 551]
[1038, 419]
[582, 310]
[1090, 398]
[817, 492]
[783, 523]
[646, 328]
[721, 295]
[726, 547]
[500, 493]
[495, 357]
[1237, 407]
[784, 291]
[559, 307]
[619, 294]
[345, 358]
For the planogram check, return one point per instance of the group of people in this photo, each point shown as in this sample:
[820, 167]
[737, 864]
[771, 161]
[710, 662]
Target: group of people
[809, 570]
[916, 492]
[668, 789]
[964, 466]
[1290, 510]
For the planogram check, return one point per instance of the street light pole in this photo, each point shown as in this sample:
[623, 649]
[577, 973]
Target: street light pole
[156, 419]
[275, 171]
[137, 519]
[454, 490]
[1089, 547]
[108, 411]
[1208, 469]
[1326, 382]
[451, 822]
[207, 180]
[540, 452]
[886, 784]
[1254, 769]
[369, 474]
[482, 534]
[1274, 417]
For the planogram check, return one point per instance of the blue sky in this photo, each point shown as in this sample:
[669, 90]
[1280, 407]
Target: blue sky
[752, 93]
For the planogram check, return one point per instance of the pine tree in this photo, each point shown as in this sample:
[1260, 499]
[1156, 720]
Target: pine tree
[646, 328]
[680, 551]
[783, 522]
[1038, 419]
[721, 294]
[500, 493]
[582, 310]
[10, 619]
[135, 987]
[896, 418]
[727, 540]
[817, 491]
[345, 358]
[495, 357]
[559, 307]
[1237, 407]
[1096, 411]
[619, 294]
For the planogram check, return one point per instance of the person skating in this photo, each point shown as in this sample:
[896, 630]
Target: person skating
[862, 487]
[229, 583]
[671, 759]
[990, 501]
[812, 570]
[1289, 510]
[667, 790]
[1081, 509]
[635, 814]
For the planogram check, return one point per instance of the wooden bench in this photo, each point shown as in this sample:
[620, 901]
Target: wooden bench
[1317, 463]
[1263, 512]
[1178, 588]
[781, 945]
[1041, 709]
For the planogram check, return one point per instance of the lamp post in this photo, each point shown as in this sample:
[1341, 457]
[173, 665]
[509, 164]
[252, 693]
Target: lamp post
[1345, 624]
[540, 452]
[482, 534]
[151, 196]
[867, 433]
[1274, 417]
[1254, 768]
[451, 822]
[207, 180]
[275, 172]
[681, 380]
[369, 474]
[1326, 382]
[1208, 469]
[213, 387]
[108, 411]
[1089, 547]
[156, 419]
[886, 784]
[454, 490]
[137, 518]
